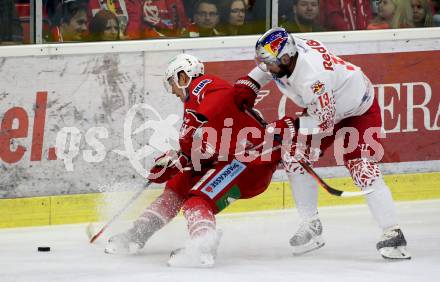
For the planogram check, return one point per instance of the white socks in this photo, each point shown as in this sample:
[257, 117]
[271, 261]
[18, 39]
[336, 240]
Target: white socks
[381, 204]
[380, 201]
[304, 193]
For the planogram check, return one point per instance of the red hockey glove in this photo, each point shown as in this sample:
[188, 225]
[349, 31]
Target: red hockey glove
[245, 92]
[168, 165]
[284, 135]
[284, 130]
[294, 147]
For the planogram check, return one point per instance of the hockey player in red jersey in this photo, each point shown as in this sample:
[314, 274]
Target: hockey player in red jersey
[335, 95]
[225, 155]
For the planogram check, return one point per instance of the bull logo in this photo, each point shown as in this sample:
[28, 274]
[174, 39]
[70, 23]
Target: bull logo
[274, 46]
[318, 88]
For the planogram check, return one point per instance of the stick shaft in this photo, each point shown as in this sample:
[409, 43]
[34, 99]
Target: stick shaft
[120, 212]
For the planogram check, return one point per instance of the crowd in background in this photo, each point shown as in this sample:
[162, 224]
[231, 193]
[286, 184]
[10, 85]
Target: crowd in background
[340, 15]
[99, 20]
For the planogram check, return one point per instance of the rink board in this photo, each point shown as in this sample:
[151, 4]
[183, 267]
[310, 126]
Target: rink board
[44, 100]
[88, 207]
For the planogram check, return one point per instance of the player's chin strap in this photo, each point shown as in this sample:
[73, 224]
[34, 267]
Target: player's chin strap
[311, 171]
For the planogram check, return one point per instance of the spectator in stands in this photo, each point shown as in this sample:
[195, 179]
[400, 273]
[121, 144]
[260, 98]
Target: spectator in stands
[206, 19]
[70, 22]
[256, 15]
[117, 7]
[155, 18]
[422, 13]
[104, 26]
[305, 17]
[11, 31]
[393, 14]
[232, 15]
[346, 14]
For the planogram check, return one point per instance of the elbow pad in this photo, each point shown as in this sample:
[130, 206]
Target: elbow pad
[259, 76]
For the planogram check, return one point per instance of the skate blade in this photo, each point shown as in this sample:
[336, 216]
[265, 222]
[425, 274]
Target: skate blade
[395, 253]
[314, 244]
[175, 264]
[111, 251]
[114, 249]
[180, 258]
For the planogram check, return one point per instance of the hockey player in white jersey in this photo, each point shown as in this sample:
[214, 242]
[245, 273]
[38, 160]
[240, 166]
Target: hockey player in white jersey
[335, 94]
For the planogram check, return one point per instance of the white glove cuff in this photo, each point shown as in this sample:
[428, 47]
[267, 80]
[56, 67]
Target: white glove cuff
[308, 125]
[260, 76]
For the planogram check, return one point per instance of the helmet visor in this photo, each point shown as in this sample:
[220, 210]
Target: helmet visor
[264, 59]
[265, 64]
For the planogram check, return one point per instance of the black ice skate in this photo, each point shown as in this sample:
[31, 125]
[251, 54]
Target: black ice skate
[393, 244]
[308, 237]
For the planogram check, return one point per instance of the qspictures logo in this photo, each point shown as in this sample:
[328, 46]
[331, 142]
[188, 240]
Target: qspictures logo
[22, 132]
[15, 126]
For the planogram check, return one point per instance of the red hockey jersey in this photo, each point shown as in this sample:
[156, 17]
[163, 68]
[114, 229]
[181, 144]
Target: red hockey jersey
[346, 14]
[211, 114]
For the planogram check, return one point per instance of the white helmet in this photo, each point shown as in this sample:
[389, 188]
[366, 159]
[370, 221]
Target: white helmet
[273, 44]
[189, 64]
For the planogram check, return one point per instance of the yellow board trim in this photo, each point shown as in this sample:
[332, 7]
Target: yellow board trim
[67, 209]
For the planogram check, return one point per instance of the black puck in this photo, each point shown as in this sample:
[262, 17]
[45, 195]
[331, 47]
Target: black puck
[43, 249]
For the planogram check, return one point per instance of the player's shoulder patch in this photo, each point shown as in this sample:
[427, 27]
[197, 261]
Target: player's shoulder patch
[200, 86]
[318, 88]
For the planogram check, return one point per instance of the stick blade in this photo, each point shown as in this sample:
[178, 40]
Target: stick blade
[349, 194]
[94, 237]
[91, 233]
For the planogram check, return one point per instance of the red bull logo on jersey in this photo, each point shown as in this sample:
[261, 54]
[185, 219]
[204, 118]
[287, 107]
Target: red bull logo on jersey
[318, 88]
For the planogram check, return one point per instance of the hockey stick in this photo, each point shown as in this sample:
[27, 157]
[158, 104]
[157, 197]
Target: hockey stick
[331, 190]
[311, 171]
[93, 236]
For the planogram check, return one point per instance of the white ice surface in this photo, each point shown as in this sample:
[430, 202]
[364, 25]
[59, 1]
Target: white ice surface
[254, 248]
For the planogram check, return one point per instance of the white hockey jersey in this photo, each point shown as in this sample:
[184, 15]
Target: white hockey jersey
[327, 86]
